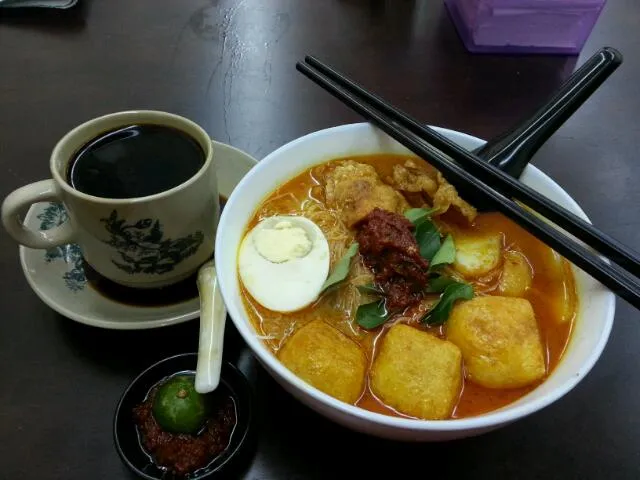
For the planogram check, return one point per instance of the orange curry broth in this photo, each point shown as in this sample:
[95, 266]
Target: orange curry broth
[550, 292]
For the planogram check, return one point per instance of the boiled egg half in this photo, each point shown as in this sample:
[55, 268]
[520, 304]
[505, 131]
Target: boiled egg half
[283, 262]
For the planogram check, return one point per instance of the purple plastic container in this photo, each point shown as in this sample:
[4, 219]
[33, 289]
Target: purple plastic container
[524, 26]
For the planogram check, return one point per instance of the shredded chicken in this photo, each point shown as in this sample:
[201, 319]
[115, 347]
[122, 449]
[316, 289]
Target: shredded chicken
[442, 195]
[356, 189]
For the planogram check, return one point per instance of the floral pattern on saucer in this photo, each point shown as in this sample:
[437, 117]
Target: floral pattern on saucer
[55, 215]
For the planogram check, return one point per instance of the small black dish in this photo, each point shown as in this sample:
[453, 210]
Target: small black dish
[125, 434]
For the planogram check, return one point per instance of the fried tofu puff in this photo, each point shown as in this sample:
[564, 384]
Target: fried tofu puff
[477, 255]
[499, 340]
[417, 374]
[516, 275]
[327, 359]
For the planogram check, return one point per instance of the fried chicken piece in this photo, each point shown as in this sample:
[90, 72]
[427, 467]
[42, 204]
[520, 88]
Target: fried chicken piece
[411, 178]
[356, 189]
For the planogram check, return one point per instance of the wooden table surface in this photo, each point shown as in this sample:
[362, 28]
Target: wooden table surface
[229, 65]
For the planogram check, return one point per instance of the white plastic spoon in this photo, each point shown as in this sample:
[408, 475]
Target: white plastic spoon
[213, 315]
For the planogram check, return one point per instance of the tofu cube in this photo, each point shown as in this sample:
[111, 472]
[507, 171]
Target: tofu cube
[559, 277]
[327, 359]
[516, 275]
[499, 340]
[417, 374]
[478, 255]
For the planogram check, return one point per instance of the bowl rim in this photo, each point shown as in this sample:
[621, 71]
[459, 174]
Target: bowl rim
[485, 421]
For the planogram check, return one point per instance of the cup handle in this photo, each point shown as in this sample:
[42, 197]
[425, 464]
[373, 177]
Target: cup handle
[17, 203]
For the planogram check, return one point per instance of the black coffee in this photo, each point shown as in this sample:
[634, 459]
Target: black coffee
[135, 161]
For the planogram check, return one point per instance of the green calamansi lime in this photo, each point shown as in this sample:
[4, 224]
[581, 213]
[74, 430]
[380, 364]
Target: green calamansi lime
[177, 407]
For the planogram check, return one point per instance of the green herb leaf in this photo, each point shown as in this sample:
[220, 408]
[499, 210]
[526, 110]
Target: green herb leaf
[371, 315]
[438, 284]
[445, 255]
[341, 269]
[370, 289]
[415, 215]
[428, 238]
[440, 312]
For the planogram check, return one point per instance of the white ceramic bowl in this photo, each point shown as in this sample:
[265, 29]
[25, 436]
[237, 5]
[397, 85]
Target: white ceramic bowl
[595, 318]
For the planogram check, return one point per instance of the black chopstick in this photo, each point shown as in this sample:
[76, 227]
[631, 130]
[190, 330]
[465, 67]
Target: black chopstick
[617, 280]
[600, 241]
[574, 91]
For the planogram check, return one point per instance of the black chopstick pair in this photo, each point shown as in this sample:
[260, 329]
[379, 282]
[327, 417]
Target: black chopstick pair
[492, 185]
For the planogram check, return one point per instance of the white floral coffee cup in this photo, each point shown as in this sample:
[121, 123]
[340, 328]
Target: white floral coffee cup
[143, 242]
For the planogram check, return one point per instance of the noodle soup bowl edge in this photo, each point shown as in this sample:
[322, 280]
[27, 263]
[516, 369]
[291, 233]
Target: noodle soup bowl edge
[589, 337]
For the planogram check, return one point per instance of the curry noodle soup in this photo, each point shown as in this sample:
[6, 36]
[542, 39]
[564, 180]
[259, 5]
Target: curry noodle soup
[441, 325]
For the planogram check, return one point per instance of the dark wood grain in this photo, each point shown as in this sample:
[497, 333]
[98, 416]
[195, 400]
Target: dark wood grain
[229, 65]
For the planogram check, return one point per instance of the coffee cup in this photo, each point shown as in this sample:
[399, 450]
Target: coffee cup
[149, 240]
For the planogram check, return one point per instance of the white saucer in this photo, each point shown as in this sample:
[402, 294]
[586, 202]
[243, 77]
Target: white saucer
[57, 275]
